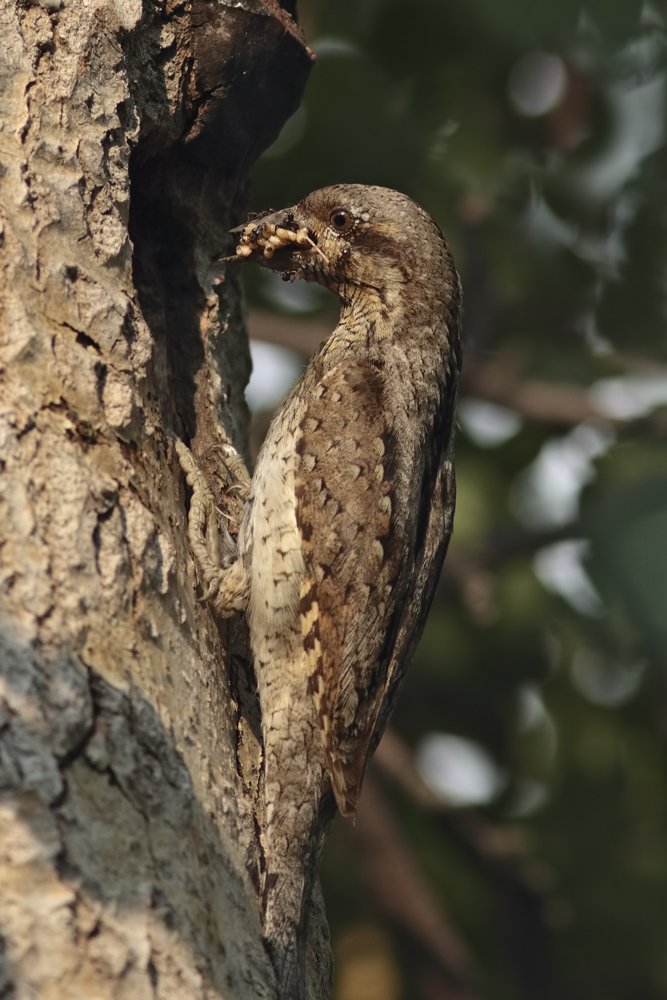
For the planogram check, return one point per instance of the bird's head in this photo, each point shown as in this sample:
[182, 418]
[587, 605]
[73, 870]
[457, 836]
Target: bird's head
[350, 238]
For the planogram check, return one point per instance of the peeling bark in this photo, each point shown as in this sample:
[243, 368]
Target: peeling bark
[129, 750]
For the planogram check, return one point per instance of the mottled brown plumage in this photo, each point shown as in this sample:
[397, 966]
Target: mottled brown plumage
[349, 518]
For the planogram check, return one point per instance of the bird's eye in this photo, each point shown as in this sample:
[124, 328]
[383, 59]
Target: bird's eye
[340, 220]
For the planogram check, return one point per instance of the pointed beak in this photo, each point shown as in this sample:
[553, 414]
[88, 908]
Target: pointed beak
[282, 216]
[274, 239]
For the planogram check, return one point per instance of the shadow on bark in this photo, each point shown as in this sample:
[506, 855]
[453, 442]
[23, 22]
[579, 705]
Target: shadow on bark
[249, 67]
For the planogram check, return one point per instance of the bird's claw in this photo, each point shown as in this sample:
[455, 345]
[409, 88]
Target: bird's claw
[212, 545]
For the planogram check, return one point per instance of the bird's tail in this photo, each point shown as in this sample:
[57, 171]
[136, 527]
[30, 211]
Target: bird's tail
[291, 869]
[295, 827]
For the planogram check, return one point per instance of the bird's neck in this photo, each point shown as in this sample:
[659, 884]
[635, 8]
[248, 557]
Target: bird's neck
[378, 314]
[370, 312]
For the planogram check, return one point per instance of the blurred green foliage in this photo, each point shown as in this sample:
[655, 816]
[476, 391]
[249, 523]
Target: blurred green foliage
[535, 135]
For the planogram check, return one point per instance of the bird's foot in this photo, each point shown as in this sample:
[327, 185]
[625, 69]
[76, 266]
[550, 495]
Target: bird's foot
[223, 578]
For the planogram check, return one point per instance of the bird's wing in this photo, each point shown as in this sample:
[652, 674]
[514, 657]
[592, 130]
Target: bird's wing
[351, 598]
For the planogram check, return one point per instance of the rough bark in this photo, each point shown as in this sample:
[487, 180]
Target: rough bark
[129, 754]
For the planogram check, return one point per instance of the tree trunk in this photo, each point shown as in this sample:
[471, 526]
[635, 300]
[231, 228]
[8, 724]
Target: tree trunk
[129, 750]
